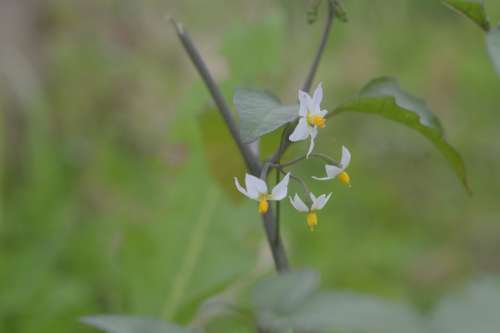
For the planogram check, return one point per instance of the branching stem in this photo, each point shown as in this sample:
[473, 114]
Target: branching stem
[270, 221]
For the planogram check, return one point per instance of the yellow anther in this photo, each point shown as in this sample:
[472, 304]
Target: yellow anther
[344, 178]
[312, 220]
[316, 120]
[263, 204]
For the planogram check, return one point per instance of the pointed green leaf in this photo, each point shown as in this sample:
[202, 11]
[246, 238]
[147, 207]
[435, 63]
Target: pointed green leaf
[133, 324]
[472, 9]
[384, 97]
[260, 113]
[493, 45]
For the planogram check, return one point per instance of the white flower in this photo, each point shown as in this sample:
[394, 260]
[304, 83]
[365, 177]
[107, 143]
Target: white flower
[317, 204]
[333, 171]
[310, 117]
[256, 189]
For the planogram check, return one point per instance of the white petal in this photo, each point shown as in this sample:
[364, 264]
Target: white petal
[322, 113]
[305, 103]
[321, 201]
[298, 204]
[301, 132]
[280, 190]
[333, 171]
[312, 133]
[346, 158]
[313, 198]
[255, 186]
[240, 188]
[318, 96]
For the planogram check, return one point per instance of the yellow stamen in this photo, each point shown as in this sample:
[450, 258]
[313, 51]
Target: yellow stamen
[263, 204]
[316, 120]
[344, 178]
[312, 220]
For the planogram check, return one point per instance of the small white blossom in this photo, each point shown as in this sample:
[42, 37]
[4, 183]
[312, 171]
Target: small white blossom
[310, 117]
[333, 171]
[317, 204]
[256, 189]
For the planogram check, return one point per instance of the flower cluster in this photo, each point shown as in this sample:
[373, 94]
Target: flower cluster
[310, 118]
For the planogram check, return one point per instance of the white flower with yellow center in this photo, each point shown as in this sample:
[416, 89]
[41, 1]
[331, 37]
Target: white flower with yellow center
[317, 204]
[333, 171]
[310, 117]
[256, 189]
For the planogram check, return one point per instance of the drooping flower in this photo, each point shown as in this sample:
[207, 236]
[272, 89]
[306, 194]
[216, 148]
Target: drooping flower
[311, 117]
[256, 189]
[333, 171]
[317, 204]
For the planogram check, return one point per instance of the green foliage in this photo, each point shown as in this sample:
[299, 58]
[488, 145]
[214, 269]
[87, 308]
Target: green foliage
[300, 306]
[472, 9]
[474, 309]
[283, 293]
[475, 11]
[293, 302]
[131, 324]
[101, 220]
[385, 98]
[260, 113]
[493, 44]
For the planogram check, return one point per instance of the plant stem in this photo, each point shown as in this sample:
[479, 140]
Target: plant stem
[324, 39]
[251, 160]
[297, 179]
[285, 143]
[278, 205]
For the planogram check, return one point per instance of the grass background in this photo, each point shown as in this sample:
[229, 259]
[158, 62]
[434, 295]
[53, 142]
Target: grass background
[116, 190]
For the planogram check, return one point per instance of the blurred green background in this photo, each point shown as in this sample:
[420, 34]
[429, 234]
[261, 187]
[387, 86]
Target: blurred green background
[116, 187]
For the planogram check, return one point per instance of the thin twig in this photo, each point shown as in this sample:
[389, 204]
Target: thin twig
[278, 205]
[324, 157]
[251, 161]
[324, 39]
[298, 180]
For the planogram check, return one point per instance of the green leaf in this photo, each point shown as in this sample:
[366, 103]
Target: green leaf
[291, 302]
[473, 310]
[350, 312]
[384, 97]
[283, 293]
[260, 113]
[493, 45]
[133, 324]
[472, 9]
[220, 151]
